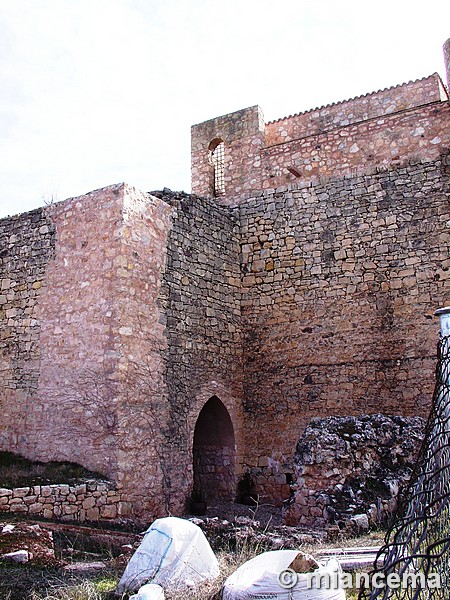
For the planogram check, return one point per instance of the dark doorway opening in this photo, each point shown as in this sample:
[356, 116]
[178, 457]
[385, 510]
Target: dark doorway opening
[214, 451]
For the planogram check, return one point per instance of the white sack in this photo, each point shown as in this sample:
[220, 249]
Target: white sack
[258, 578]
[149, 591]
[173, 553]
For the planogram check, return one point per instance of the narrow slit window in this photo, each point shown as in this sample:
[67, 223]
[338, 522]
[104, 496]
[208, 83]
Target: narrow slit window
[217, 157]
[294, 171]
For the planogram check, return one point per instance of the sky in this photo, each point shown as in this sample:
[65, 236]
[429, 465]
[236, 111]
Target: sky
[97, 92]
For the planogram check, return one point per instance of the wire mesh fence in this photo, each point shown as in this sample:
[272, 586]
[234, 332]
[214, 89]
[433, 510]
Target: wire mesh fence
[414, 564]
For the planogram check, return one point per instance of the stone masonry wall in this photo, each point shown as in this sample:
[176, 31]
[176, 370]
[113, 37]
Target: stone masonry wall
[419, 133]
[340, 282]
[27, 247]
[64, 418]
[137, 303]
[215, 472]
[200, 300]
[362, 108]
[98, 318]
[89, 501]
[140, 398]
[307, 289]
[396, 125]
[243, 135]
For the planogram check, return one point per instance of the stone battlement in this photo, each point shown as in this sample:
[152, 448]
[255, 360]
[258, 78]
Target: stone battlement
[361, 108]
[404, 122]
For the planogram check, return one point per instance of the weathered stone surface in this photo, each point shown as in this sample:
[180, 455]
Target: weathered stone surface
[200, 298]
[61, 501]
[22, 542]
[26, 250]
[389, 126]
[361, 523]
[347, 466]
[108, 512]
[349, 328]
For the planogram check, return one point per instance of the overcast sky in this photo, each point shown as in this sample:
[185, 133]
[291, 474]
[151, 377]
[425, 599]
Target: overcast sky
[95, 92]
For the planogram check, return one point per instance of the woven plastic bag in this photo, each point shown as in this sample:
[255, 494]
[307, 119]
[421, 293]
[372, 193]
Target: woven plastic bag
[173, 554]
[263, 577]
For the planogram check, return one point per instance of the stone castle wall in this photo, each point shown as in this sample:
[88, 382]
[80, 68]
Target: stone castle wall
[407, 122]
[341, 114]
[200, 300]
[104, 256]
[27, 248]
[124, 310]
[307, 289]
[340, 282]
[420, 133]
[243, 135]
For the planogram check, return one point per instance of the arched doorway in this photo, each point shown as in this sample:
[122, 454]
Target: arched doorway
[214, 451]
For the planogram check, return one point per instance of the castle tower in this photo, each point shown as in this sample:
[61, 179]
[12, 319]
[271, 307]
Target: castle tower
[225, 155]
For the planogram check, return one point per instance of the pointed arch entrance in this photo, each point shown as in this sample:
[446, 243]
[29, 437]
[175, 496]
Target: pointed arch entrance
[214, 451]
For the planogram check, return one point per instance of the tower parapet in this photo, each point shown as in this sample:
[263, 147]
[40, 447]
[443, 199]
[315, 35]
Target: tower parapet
[226, 155]
[238, 155]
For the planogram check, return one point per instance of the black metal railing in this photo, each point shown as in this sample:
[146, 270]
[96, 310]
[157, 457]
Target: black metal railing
[414, 564]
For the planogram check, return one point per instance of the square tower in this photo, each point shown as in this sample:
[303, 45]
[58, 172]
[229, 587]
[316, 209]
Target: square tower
[226, 155]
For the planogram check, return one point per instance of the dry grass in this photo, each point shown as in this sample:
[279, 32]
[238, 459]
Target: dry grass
[31, 583]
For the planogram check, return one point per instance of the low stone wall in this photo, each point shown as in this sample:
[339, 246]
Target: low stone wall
[89, 501]
[349, 469]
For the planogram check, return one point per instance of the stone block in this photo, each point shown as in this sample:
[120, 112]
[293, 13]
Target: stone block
[35, 508]
[18, 508]
[108, 512]
[92, 514]
[124, 509]
[21, 492]
[88, 503]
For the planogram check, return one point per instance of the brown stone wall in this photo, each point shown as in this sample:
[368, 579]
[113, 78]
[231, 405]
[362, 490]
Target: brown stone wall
[362, 108]
[139, 343]
[69, 414]
[98, 370]
[200, 300]
[89, 501]
[215, 467]
[243, 135]
[340, 282]
[126, 313]
[393, 126]
[27, 248]
[420, 133]
[298, 293]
